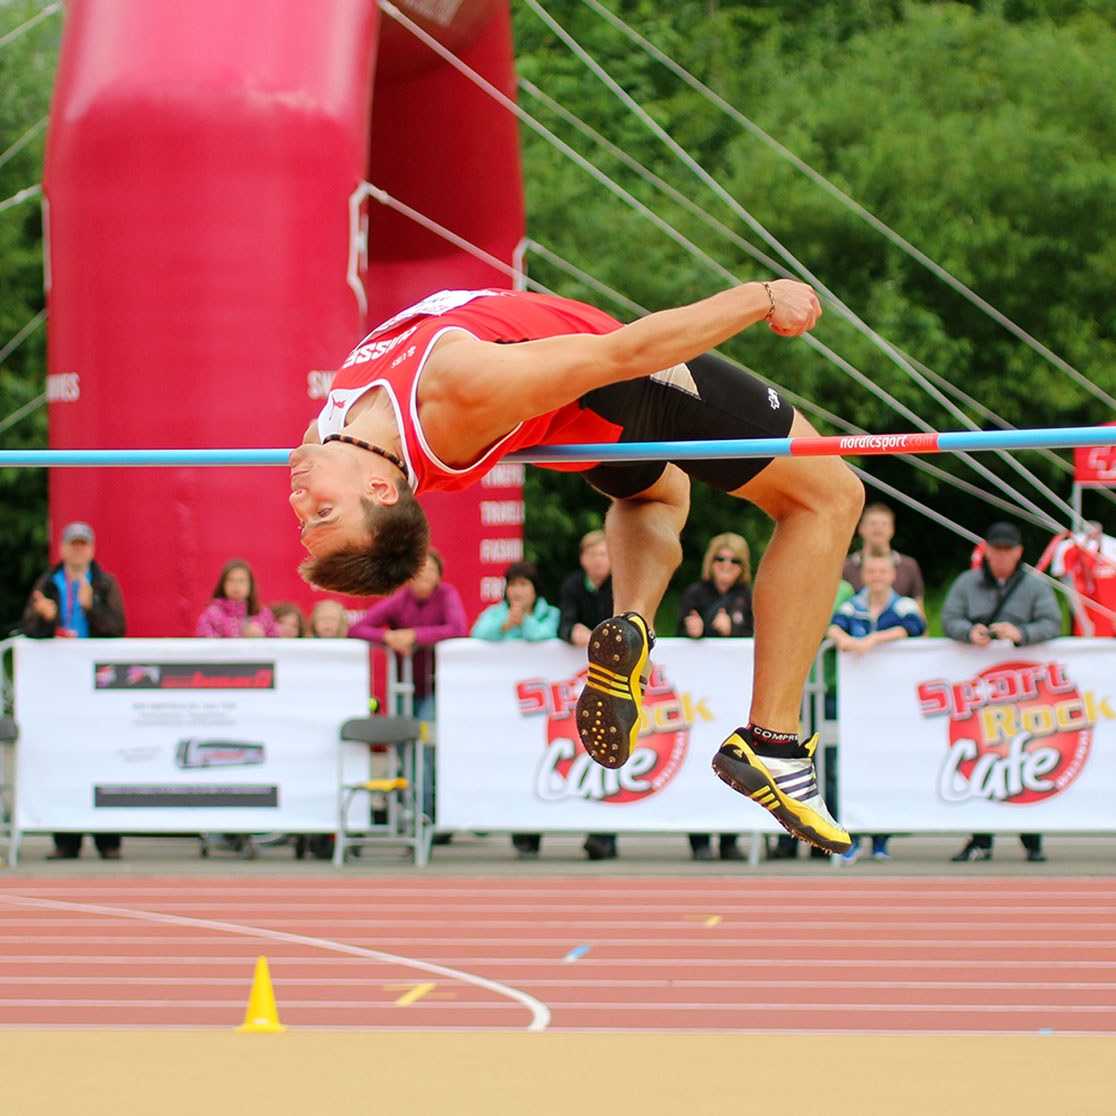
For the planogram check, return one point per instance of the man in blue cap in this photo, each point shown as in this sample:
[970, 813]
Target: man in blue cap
[76, 599]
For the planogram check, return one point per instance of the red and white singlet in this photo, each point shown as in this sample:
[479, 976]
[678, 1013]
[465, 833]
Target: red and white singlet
[393, 355]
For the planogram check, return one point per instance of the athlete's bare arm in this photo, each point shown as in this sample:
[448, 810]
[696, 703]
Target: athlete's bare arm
[311, 434]
[498, 386]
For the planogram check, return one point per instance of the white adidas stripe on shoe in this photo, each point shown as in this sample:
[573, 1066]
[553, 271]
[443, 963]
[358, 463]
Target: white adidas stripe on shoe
[786, 788]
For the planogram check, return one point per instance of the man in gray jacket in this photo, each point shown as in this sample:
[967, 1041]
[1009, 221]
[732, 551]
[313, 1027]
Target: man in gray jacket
[1001, 600]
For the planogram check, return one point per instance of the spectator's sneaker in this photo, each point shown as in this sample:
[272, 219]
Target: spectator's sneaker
[609, 706]
[879, 849]
[1036, 856]
[851, 856]
[972, 851]
[785, 787]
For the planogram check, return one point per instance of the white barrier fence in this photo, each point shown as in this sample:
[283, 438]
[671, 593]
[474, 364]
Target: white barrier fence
[934, 737]
[167, 736]
[507, 757]
[190, 735]
[940, 736]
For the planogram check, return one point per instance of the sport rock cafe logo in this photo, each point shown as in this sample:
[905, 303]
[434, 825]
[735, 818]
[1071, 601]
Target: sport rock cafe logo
[1019, 732]
[565, 770]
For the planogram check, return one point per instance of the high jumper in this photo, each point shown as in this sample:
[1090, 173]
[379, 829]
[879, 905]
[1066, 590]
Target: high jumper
[432, 399]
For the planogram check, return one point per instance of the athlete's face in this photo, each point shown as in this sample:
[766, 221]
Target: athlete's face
[327, 485]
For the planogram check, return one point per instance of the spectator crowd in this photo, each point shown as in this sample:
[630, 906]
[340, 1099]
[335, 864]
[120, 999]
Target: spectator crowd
[881, 599]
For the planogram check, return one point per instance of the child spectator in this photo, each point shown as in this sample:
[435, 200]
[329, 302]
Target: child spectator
[289, 621]
[235, 610]
[327, 620]
[875, 615]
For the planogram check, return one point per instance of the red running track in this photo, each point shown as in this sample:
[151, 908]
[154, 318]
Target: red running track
[895, 955]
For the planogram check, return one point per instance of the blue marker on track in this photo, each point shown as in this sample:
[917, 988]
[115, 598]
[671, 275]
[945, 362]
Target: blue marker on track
[578, 951]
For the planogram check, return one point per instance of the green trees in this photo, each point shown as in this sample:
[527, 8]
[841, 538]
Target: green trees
[983, 134]
[27, 65]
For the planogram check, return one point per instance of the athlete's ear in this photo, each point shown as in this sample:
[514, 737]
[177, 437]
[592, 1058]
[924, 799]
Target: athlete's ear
[383, 490]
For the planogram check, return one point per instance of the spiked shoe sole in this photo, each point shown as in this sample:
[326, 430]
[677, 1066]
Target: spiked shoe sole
[608, 710]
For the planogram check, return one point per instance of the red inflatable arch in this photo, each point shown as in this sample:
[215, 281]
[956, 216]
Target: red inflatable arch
[205, 274]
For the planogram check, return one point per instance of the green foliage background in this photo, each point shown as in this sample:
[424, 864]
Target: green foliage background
[26, 79]
[983, 133]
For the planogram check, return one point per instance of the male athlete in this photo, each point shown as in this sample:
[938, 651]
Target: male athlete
[432, 399]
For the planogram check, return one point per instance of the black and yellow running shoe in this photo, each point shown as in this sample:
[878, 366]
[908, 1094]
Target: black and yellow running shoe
[786, 787]
[608, 710]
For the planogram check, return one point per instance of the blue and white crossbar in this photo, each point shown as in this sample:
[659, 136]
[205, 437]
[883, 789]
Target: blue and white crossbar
[842, 445]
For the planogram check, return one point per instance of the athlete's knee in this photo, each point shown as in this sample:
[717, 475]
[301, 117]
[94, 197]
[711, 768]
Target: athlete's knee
[669, 497]
[847, 496]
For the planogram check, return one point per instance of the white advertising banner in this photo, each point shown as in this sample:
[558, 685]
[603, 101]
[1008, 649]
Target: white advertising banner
[186, 735]
[508, 755]
[940, 736]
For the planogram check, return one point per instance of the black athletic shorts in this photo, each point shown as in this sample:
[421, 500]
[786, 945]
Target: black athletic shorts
[706, 399]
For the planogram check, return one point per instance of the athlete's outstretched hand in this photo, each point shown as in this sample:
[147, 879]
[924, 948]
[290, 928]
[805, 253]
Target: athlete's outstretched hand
[797, 308]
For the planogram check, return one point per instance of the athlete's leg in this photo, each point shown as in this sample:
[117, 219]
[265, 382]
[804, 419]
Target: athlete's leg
[644, 550]
[644, 542]
[815, 502]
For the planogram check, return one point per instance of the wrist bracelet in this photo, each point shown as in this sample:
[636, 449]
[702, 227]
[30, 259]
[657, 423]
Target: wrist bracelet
[771, 296]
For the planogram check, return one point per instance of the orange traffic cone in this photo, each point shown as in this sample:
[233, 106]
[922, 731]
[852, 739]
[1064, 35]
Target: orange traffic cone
[262, 1016]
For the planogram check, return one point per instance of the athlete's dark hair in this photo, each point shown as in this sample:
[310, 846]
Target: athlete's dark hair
[397, 544]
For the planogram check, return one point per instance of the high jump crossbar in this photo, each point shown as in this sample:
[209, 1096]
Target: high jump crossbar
[842, 445]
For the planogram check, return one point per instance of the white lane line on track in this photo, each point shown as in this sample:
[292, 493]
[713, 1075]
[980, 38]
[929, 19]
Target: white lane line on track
[540, 1014]
[71, 980]
[237, 1002]
[626, 943]
[679, 925]
[681, 888]
[900, 907]
[21, 961]
[739, 891]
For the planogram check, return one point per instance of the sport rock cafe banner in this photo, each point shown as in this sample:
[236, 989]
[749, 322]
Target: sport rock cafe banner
[509, 757]
[941, 736]
[192, 735]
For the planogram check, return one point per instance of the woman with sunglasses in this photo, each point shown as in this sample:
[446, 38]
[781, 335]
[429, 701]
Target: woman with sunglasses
[720, 604]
